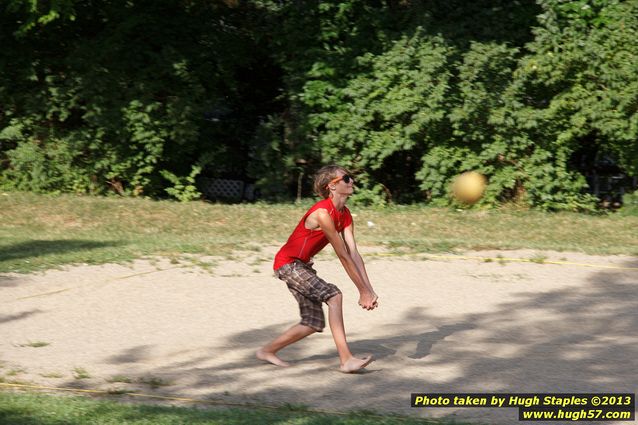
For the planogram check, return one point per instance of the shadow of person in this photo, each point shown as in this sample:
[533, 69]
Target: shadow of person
[419, 344]
[426, 341]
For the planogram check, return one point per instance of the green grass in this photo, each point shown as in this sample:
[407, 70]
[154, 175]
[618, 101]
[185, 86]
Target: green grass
[538, 258]
[81, 373]
[120, 378]
[38, 232]
[15, 372]
[54, 375]
[35, 344]
[31, 409]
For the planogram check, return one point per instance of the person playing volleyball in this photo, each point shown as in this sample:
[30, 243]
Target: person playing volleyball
[327, 221]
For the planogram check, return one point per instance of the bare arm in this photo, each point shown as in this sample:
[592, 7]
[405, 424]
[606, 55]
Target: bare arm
[351, 245]
[367, 297]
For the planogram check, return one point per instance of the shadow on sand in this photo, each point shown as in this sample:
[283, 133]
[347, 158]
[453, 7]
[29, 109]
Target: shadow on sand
[565, 340]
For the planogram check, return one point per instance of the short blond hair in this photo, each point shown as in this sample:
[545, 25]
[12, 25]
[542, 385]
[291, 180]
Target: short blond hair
[324, 176]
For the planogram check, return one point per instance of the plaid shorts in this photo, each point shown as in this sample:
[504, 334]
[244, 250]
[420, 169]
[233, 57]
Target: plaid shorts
[309, 290]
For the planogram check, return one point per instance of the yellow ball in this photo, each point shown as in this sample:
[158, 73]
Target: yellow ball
[469, 187]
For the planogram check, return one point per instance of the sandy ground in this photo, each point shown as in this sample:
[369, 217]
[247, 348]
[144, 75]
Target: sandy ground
[445, 324]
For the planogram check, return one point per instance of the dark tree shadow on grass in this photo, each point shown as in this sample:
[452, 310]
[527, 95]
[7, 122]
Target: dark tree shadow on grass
[39, 248]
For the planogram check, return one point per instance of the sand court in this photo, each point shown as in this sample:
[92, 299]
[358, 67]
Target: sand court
[445, 324]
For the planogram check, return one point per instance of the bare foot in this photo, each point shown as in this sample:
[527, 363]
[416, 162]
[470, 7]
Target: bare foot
[355, 364]
[271, 358]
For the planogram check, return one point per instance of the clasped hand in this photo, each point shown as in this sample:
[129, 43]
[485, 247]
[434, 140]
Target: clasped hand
[369, 300]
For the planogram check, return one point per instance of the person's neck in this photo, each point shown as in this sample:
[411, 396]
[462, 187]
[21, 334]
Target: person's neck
[339, 201]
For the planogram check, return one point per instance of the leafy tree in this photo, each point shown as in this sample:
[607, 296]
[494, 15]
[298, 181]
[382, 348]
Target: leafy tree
[144, 97]
[575, 91]
[113, 94]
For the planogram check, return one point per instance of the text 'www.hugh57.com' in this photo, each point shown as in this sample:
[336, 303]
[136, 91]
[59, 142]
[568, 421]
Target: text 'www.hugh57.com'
[540, 407]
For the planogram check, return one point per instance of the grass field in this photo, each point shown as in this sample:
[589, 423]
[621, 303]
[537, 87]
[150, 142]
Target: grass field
[41, 231]
[38, 232]
[32, 409]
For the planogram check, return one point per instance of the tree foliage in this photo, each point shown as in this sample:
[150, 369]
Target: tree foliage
[142, 97]
[122, 92]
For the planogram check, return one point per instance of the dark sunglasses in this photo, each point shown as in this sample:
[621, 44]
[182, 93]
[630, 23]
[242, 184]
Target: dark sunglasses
[347, 178]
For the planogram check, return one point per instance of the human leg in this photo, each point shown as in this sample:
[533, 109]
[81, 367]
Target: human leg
[312, 318]
[335, 319]
[349, 363]
[311, 292]
[292, 335]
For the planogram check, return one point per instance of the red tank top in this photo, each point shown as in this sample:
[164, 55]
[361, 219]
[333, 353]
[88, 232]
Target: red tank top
[303, 243]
